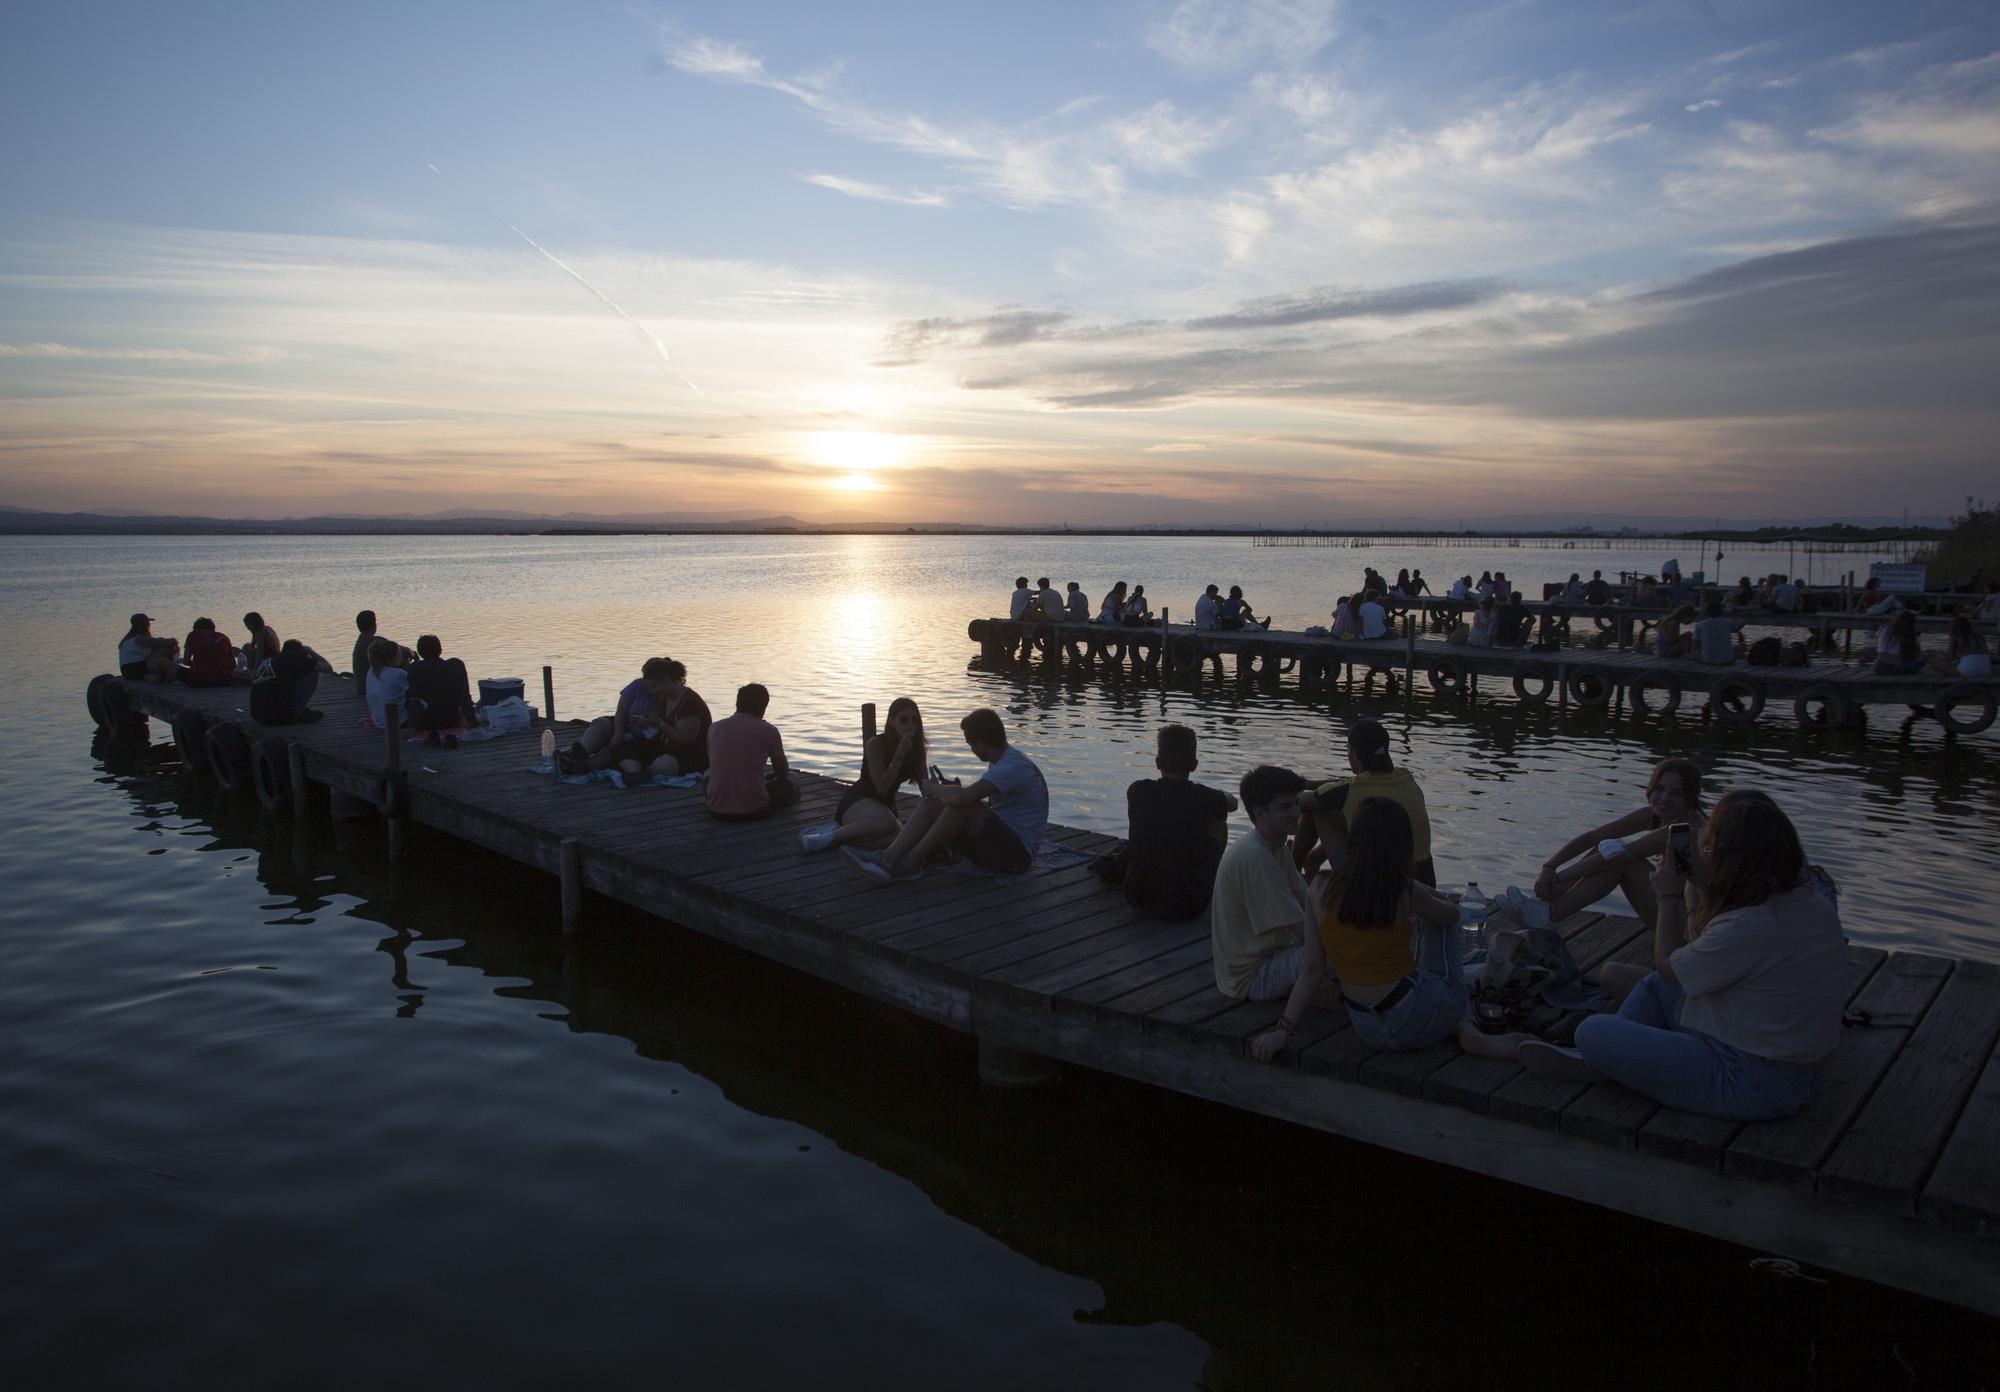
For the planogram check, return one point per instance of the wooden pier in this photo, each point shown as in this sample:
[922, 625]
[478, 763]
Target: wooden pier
[1823, 694]
[1889, 1175]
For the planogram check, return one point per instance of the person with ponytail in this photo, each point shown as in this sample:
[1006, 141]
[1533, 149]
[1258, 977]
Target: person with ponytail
[1744, 1002]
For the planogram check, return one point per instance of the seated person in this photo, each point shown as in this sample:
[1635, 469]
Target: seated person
[1897, 651]
[1573, 591]
[1346, 623]
[1372, 617]
[1736, 1020]
[1784, 596]
[1418, 586]
[1461, 588]
[211, 657]
[1647, 595]
[1138, 609]
[866, 815]
[1671, 639]
[443, 692]
[660, 726]
[1208, 608]
[364, 625]
[1021, 600]
[1989, 612]
[1330, 809]
[1716, 637]
[1595, 590]
[1177, 831]
[1397, 999]
[142, 657]
[1235, 613]
[388, 683]
[262, 645]
[1614, 855]
[998, 823]
[1511, 623]
[1048, 603]
[285, 697]
[1261, 935]
[740, 746]
[1077, 608]
[1485, 622]
[1965, 652]
[1112, 611]
[1502, 586]
[1743, 596]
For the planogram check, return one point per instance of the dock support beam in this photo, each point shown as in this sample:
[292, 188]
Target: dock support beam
[569, 860]
[1017, 1070]
[295, 765]
[393, 795]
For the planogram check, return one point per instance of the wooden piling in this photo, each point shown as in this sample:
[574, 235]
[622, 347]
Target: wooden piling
[569, 863]
[867, 725]
[295, 762]
[1409, 654]
[548, 694]
[392, 774]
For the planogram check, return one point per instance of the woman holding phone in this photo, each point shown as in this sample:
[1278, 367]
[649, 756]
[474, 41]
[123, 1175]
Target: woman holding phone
[866, 815]
[1615, 855]
[1744, 1001]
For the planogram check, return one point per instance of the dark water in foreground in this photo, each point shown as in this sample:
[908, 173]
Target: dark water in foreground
[277, 1111]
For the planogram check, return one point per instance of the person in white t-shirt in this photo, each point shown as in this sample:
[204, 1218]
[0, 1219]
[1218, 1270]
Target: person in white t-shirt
[1078, 604]
[1206, 607]
[998, 823]
[1374, 618]
[1744, 1003]
[1020, 600]
[1048, 601]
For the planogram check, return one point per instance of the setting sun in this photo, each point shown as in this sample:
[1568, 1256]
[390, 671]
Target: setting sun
[856, 483]
[857, 452]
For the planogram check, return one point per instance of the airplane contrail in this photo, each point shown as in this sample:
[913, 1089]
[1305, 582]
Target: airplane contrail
[599, 295]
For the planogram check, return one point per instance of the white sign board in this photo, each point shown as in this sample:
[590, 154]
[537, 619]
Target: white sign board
[1898, 579]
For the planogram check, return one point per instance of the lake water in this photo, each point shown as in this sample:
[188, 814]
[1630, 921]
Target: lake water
[286, 1111]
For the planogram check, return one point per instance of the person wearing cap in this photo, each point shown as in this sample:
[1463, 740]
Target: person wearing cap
[1332, 806]
[142, 657]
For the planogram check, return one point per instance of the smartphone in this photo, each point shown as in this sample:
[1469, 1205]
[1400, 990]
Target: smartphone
[1679, 837]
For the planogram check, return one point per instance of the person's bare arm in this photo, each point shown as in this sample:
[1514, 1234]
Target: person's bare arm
[954, 795]
[620, 716]
[1433, 907]
[884, 768]
[1554, 873]
[1312, 970]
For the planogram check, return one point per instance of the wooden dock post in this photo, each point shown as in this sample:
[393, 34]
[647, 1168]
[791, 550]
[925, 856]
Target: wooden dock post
[1409, 654]
[392, 778]
[569, 863]
[295, 763]
[548, 694]
[867, 725]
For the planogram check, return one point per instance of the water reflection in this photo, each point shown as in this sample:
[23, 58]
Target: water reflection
[1290, 1255]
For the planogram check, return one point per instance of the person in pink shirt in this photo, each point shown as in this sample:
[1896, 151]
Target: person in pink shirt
[747, 774]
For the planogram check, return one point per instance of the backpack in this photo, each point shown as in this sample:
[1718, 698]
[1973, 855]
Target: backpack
[1765, 652]
[1530, 984]
[1797, 655]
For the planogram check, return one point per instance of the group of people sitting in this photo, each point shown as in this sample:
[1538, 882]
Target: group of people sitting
[281, 676]
[427, 690]
[1740, 1008]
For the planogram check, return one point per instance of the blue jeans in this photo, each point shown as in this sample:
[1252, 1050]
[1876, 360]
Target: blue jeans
[1431, 1009]
[1645, 1047]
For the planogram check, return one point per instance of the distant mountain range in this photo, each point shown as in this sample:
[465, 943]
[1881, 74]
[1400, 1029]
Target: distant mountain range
[19, 520]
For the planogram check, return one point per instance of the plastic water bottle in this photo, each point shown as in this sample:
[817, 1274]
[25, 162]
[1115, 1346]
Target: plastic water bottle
[1471, 921]
[548, 750]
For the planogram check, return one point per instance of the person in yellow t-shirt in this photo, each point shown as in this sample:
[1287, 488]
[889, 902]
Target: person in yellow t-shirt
[1332, 806]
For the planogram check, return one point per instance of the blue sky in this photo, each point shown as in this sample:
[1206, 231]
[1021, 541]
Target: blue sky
[1136, 262]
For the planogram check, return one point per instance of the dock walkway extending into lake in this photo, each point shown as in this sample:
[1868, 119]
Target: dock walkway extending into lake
[1892, 1174]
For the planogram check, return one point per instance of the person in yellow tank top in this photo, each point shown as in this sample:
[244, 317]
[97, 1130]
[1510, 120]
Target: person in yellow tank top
[1393, 941]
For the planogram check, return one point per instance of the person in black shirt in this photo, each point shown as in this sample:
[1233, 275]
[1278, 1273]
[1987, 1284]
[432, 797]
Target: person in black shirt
[1178, 827]
[364, 623]
[284, 697]
[443, 692]
[1596, 592]
[1510, 626]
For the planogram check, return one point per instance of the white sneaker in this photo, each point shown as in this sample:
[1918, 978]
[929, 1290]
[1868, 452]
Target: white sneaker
[815, 839]
[1546, 1060]
[1527, 910]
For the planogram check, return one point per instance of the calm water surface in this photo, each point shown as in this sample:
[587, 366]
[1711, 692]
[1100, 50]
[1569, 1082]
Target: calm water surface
[275, 1107]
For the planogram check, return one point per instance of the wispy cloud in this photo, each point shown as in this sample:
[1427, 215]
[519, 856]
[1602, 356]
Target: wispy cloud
[1321, 306]
[1235, 33]
[879, 193]
[62, 351]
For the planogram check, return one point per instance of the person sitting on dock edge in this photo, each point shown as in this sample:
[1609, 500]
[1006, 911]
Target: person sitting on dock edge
[1511, 622]
[388, 683]
[1744, 1002]
[1018, 603]
[1596, 591]
[1112, 610]
[443, 692]
[1138, 609]
[142, 657]
[1077, 607]
[998, 823]
[1671, 638]
[211, 657]
[1615, 855]
[1235, 613]
[740, 746]
[285, 697]
[1716, 637]
[1047, 602]
[364, 634]
[1207, 609]
[866, 813]
[1177, 829]
[1372, 617]
[261, 645]
[1330, 809]
[1897, 650]
[660, 725]
[1261, 936]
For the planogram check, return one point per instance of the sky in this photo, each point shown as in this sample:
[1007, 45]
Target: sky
[1278, 262]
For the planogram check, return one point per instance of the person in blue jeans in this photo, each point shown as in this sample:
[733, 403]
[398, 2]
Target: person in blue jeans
[1392, 940]
[1744, 1003]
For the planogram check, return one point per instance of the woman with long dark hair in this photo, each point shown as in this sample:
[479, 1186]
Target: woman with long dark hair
[1965, 652]
[867, 811]
[1744, 1002]
[1390, 940]
[1897, 652]
[1615, 855]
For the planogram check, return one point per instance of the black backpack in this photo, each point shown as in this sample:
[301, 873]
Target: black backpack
[1765, 652]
